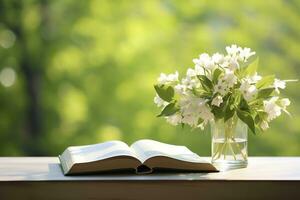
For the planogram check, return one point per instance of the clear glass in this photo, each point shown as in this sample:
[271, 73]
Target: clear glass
[229, 144]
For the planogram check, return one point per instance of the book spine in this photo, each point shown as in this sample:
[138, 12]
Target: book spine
[143, 169]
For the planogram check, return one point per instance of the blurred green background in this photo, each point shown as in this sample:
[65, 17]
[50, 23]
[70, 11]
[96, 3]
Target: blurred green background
[82, 72]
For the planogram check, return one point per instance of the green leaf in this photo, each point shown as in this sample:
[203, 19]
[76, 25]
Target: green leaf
[216, 74]
[165, 92]
[260, 116]
[228, 113]
[244, 105]
[247, 119]
[237, 99]
[205, 96]
[218, 111]
[206, 83]
[252, 68]
[201, 93]
[200, 120]
[170, 109]
[230, 108]
[264, 93]
[265, 81]
[257, 119]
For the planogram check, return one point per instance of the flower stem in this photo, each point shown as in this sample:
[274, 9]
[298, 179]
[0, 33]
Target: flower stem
[232, 151]
[217, 152]
[240, 150]
[229, 143]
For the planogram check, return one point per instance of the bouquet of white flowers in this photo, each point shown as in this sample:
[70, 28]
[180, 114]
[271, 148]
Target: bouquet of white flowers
[220, 87]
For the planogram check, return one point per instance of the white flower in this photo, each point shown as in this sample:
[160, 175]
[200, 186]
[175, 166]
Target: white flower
[284, 103]
[204, 57]
[229, 78]
[190, 83]
[193, 108]
[272, 109]
[218, 58]
[255, 78]
[190, 119]
[206, 114]
[220, 88]
[204, 61]
[264, 125]
[245, 54]
[242, 54]
[174, 119]
[159, 102]
[233, 64]
[274, 106]
[233, 50]
[245, 84]
[225, 83]
[278, 84]
[199, 70]
[190, 104]
[248, 90]
[225, 62]
[168, 79]
[217, 101]
[191, 72]
[180, 89]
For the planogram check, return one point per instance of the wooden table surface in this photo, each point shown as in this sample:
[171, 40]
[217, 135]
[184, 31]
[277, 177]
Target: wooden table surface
[42, 178]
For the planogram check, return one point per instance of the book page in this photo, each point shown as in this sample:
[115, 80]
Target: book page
[146, 149]
[95, 152]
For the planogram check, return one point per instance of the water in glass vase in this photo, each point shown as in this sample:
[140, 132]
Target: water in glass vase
[229, 145]
[230, 150]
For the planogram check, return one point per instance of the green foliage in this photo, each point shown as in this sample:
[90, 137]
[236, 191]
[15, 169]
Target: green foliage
[201, 93]
[219, 112]
[252, 68]
[94, 64]
[229, 113]
[246, 118]
[265, 81]
[265, 93]
[206, 83]
[164, 92]
[230, 108]
[170, 109]
[216, 74]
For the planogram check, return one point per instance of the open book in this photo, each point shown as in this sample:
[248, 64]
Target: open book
[143, 156]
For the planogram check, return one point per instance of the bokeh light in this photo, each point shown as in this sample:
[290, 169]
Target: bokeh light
[7, 76]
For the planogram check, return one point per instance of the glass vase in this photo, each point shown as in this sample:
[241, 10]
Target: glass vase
[229, 144]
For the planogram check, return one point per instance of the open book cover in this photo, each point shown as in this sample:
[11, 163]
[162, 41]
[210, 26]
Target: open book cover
[143, 156]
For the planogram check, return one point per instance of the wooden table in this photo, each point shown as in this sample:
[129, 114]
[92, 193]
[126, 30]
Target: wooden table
[42, 178]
